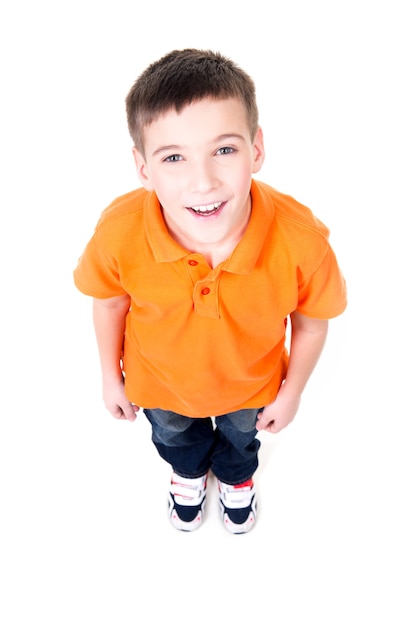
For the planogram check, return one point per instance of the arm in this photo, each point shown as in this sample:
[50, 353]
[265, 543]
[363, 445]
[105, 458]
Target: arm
[109, 317]
[307, 340]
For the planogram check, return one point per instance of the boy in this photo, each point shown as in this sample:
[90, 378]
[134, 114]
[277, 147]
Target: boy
[193, 278]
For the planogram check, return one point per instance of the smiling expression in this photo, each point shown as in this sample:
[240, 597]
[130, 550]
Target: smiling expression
[200, 163]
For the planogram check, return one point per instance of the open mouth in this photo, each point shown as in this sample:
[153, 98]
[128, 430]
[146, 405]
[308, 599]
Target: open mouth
[207, 209]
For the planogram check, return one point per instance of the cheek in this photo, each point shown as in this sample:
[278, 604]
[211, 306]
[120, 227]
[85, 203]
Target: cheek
[242, 180]
[167, 188]
[170, 178]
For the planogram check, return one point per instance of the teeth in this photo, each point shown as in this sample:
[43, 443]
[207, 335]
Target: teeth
[207, 208]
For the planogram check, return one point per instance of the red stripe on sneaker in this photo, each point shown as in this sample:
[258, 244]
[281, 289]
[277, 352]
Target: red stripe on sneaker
[248, 483]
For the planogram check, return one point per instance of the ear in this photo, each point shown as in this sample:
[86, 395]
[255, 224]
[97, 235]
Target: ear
[142, 169]
[259, 154]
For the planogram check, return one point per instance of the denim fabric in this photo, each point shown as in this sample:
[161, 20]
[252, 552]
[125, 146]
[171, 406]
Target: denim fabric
[192, 446]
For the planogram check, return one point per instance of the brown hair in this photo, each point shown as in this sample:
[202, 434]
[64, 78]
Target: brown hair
[182, 77]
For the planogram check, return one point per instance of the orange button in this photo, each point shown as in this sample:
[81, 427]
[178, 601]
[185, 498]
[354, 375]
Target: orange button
[205, 291]
[193, 262]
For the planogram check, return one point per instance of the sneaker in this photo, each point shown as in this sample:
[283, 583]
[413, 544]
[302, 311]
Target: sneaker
[238, 506]
[186, 501]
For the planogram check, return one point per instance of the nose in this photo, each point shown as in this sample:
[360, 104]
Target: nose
[203, 176]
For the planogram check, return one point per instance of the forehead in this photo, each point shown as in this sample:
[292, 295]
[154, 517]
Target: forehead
[206, 118]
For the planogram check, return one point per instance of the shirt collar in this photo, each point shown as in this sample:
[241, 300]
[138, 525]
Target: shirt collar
[163, 246]
[247, 252]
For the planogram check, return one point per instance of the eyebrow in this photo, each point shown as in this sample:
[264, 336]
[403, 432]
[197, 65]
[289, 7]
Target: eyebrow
[170, 148]
[229, 136]
[177, 148]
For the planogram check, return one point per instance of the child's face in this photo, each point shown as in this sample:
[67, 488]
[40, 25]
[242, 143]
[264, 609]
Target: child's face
[200, 163]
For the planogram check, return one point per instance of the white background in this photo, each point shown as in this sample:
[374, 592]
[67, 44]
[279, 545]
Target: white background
[84, 535]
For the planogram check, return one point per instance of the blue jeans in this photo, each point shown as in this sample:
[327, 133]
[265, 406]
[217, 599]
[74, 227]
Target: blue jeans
[192, 446]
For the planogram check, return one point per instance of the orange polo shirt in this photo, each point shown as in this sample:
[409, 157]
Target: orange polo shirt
[202, 341]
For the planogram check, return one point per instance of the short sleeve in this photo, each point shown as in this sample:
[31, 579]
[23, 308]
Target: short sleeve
[323, 294]
[97, 273]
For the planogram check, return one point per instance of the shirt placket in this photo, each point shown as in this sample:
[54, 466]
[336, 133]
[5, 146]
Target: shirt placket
[205, 287]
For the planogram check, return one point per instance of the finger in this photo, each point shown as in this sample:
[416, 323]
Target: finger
[118, 412]
[261, 422]
[129, 413]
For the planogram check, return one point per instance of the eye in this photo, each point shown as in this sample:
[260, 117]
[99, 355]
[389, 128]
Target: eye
[173, 158]
[225, 150]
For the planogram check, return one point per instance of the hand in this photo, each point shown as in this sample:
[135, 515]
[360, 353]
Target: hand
[117, 403]
[280, 413]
